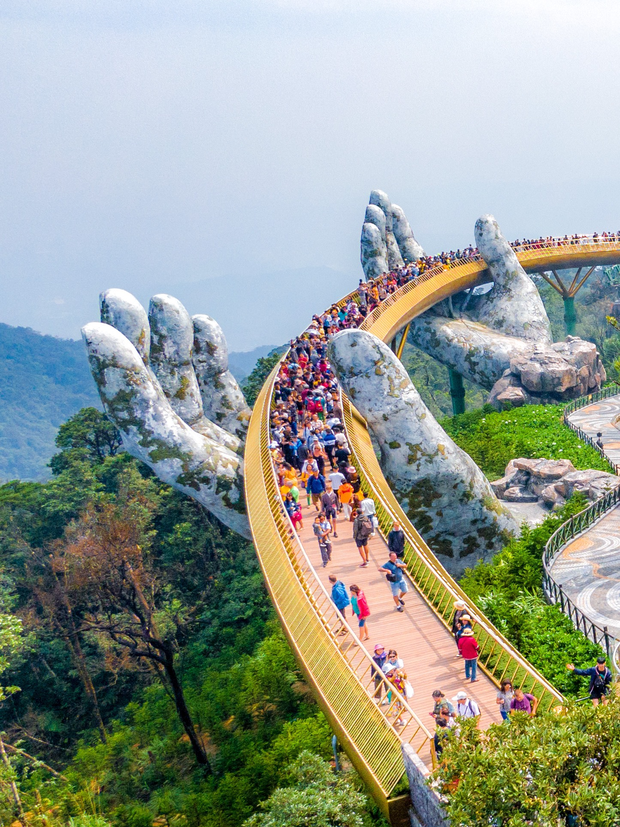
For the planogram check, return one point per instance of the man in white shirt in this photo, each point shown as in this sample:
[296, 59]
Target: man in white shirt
[337, 479]
[465, 707]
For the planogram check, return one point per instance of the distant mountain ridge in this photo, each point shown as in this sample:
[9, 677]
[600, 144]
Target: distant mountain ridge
[43, 381]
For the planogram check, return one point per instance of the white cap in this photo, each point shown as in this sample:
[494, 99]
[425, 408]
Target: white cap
[460, 696]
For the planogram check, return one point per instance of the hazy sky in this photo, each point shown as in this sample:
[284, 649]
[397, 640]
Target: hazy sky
[151, 144]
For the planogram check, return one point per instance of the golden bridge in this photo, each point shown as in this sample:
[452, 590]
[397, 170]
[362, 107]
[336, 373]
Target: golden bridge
[335, 664]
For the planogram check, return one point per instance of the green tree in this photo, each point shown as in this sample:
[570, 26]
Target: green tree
[255, 381]
[90, 435]
[554, 769]
[316, 796]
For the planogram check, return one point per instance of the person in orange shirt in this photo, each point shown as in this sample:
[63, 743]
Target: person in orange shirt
[345, 494]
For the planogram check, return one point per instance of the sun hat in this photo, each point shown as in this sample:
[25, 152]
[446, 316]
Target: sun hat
[378, 646]
[459, 604]
[460, 696]
[467, 633]
[465, 617]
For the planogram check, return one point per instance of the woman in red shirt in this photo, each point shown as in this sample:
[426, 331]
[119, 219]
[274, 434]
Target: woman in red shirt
[468, 647]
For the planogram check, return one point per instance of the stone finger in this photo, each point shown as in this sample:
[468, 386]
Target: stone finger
[222, 398]
[409, 247]
[514, 305]
[172, 343]
[124, 312]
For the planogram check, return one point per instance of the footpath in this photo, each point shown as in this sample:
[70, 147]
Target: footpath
[588, 568]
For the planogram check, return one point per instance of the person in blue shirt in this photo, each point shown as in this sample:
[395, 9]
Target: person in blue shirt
[315, 485]
[393, 571]
[600, 680]
[339, 594]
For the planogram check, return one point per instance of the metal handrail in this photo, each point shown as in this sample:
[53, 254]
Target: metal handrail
[340, 672]
[573, 527]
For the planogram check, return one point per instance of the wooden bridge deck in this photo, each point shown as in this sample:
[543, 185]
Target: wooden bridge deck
[422, 641]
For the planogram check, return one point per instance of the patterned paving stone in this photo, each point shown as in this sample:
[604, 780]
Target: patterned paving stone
[588, 568]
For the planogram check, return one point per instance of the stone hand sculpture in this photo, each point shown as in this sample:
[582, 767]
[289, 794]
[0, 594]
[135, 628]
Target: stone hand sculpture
[164, 381]
[500, 340]
[441, 489]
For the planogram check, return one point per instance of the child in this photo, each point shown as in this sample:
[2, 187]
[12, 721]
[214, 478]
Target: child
[360, 607]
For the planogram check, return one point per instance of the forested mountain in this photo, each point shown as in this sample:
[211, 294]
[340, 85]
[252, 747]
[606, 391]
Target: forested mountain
[43, 381]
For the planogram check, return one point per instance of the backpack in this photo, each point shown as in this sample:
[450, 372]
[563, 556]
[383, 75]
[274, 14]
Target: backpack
[365, 528]
[598, 685]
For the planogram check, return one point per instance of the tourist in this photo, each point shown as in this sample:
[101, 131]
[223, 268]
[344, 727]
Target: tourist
[504, 697]
[394, 575]
[392, 662]
[329, 504]
[339, 594]
[337, 479]
[396, 540]
[316, 485]
[459, 610]
[379, 657]
[322, 528]
[293, 510]
[367, 506]
[600, 680]
[599, 440]
[362, 529]
[441, 703]
[465, 707]
[345, 494]
[441, 734]
[360, 608]
[523, 702]
[468, 647]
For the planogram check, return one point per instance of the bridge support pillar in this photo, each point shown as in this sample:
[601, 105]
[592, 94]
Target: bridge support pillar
[457, 392]
[570, 316]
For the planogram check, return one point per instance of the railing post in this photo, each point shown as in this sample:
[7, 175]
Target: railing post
[561, 596]
[607, 642]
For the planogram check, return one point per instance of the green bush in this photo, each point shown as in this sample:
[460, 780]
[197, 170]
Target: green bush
[508, 590]
[493, 438]
[551, 770]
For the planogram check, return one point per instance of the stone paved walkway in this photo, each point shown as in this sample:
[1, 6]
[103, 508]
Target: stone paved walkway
[588, 568]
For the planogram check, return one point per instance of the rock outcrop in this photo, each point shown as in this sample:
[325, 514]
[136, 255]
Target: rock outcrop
[439, 486]
[548, 374]
[551, 481]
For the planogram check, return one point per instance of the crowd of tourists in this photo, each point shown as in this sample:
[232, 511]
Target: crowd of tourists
[313, 461]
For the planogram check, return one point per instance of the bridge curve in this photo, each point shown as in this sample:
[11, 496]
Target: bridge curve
[337, 667]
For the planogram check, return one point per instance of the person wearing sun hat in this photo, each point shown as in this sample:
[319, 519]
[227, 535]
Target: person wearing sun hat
[468, 647]
[379, 658]
[459, 610]
[465, 707]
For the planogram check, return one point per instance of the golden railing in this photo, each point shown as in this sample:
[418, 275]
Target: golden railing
[336, 666]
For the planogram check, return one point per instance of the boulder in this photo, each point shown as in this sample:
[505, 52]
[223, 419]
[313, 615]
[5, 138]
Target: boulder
[551, 480]
[519, 494]
[552, 498]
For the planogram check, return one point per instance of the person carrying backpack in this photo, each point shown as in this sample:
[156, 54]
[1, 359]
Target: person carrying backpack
[362, 529]
[600, 680]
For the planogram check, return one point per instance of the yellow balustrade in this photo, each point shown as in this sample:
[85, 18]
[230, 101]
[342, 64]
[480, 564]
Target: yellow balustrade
[339, 671]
